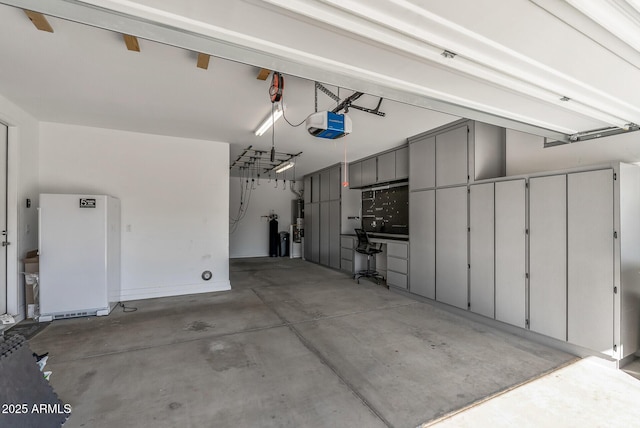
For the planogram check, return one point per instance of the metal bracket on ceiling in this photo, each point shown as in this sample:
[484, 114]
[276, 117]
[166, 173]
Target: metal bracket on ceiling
[592, 135]
[257, 161]
[347, 103]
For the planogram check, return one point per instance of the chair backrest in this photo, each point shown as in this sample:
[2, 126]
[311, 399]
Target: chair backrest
[363, 239]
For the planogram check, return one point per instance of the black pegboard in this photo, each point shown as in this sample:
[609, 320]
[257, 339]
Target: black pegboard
[27, 400]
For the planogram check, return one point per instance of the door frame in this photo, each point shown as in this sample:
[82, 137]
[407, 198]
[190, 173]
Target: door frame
[15, 303]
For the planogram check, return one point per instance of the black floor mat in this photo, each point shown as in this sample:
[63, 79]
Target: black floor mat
[27, 329]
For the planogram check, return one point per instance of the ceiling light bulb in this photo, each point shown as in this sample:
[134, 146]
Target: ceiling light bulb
[269, 121]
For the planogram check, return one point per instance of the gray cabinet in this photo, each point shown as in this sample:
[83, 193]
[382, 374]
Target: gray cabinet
[510, 242]
[451, 246]
[347, 247]
[334, 234]
[369, 172]
[397, 264]
[452, 157]
[315, 187]
[323, 218]
[325, 185]
[324, 233]
[590, 269]
[487, 151]
[402, 163]
[482, 249]
[387, 167]
[335, 183]
[383, 168]
[313, 221]
[548, 256]
[457, 153]
[422, 245]
[350, 260]
[422, 164]
[307, 189]
[307, 231]
[355, 175]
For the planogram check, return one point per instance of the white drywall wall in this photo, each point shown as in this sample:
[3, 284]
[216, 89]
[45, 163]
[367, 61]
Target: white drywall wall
[174, 194]
[251, 236]
[22, 183]
[526, 152]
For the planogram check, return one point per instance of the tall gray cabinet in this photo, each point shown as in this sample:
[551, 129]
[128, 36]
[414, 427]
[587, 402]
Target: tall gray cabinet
[583, 236]
[590, 237]
[482, 249]
[548, 255]
[451, 246]
[323, 216]
[422, 244]
[510, 256]
[555, 253]
[442, 163]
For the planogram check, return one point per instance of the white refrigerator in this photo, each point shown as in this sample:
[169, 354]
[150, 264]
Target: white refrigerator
[79, 246]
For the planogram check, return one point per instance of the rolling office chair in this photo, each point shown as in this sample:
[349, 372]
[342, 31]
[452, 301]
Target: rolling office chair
[367, 248]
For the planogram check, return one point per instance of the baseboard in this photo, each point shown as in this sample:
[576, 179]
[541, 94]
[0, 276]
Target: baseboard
[173, 290]
[248, 256]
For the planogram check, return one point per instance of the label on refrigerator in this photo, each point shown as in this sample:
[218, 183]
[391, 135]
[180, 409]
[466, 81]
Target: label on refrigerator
[87, 203]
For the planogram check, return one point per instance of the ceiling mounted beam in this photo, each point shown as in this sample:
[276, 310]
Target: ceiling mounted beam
[483, 58]
[203, 61]
[162, 27]
[263, 74]
[131, 42]
[39, 20]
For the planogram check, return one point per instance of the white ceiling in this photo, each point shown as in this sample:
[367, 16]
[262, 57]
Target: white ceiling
[514, 62]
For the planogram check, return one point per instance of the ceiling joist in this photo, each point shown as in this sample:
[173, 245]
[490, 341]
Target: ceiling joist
[131, 42]
[203, 61]
[39, 20]
[263, 74]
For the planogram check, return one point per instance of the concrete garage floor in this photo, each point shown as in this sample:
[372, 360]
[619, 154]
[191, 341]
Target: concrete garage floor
[292, 345]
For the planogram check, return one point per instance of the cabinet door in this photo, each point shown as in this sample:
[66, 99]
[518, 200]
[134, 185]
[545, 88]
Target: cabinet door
[355, 175]
[314, 245]
[308, 227]
[335, 183]
[482, 250]
[451, 157]
[590, 259]
[315, 188]
[324, 233]
[451, 246]
[369, 171]
[511, 252]
[402, 163]
[307, 189]
[422, 245]
[548, 256]
[422, 164]
[387, 167]
[325, 185]
[334, 234]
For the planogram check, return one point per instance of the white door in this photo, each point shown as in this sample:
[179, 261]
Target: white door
[3, 218]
